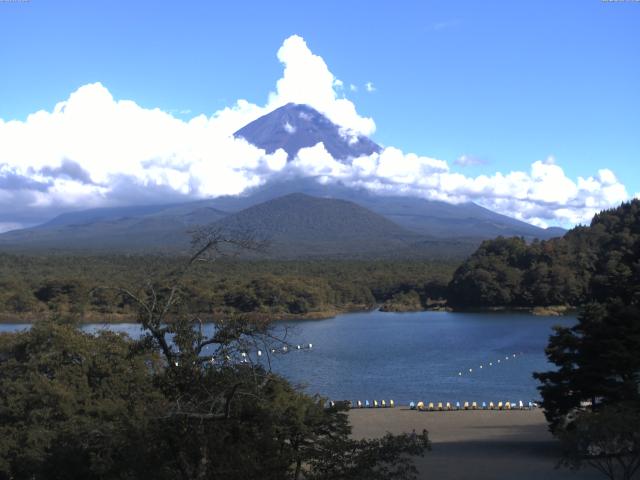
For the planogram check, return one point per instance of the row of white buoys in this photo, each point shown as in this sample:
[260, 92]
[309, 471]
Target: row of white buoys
[449, 406]
[489, 364]
[245, 358]
[228, 359]
[374, 404]
[285, 348]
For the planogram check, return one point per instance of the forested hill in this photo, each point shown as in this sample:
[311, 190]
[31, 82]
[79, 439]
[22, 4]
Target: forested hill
[588, 263]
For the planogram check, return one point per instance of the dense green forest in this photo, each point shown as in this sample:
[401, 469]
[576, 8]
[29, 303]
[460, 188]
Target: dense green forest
[76, 406]
[589, 263]
[73, 405]
[592, 396]
[32, 287]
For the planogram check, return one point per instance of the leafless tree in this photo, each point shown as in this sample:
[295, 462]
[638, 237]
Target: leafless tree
[183, 336]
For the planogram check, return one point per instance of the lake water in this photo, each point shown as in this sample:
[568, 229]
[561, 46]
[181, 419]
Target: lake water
[413, 356]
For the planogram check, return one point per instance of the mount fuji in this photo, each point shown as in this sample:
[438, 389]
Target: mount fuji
[302, 216]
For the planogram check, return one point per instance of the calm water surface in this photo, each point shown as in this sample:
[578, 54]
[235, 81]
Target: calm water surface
[413, 356]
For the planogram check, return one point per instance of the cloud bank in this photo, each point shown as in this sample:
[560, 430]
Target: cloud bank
[93, 150]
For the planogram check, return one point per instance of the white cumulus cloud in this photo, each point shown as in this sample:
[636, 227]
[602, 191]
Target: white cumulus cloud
[544, 195]
[307, 79]
[94, 150]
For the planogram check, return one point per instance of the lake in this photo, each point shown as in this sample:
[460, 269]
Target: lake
[413, 356]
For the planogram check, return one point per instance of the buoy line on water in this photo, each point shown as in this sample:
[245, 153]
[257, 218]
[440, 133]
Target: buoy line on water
[244, 356]
[484, 366]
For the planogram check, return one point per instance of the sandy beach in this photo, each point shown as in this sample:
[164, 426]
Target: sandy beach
[479, 445]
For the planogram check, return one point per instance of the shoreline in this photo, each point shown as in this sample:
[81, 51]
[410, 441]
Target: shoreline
[120, 318]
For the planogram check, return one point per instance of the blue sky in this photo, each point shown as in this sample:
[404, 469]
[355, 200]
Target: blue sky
[505, 84]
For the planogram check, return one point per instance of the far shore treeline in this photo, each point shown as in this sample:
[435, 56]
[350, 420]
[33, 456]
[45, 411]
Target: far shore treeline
[587, 263]
[77, 286]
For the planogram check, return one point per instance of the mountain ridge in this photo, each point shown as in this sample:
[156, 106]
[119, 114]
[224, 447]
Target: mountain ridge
[290, 127]
[295, 225]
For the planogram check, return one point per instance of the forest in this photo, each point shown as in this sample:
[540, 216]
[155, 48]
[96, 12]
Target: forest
[85, 287]
[117, 408]
[588, 263]
[75, 405]
[591, 398]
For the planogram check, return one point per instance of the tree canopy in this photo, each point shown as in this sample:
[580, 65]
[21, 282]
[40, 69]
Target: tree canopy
[588, 263]
[76, 406]
[33, 287]
[592, 398]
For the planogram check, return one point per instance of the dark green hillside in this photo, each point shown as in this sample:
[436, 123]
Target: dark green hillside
[589, 263]
[591, 398]
[154, 232]
[298, 225]
[426, 217]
